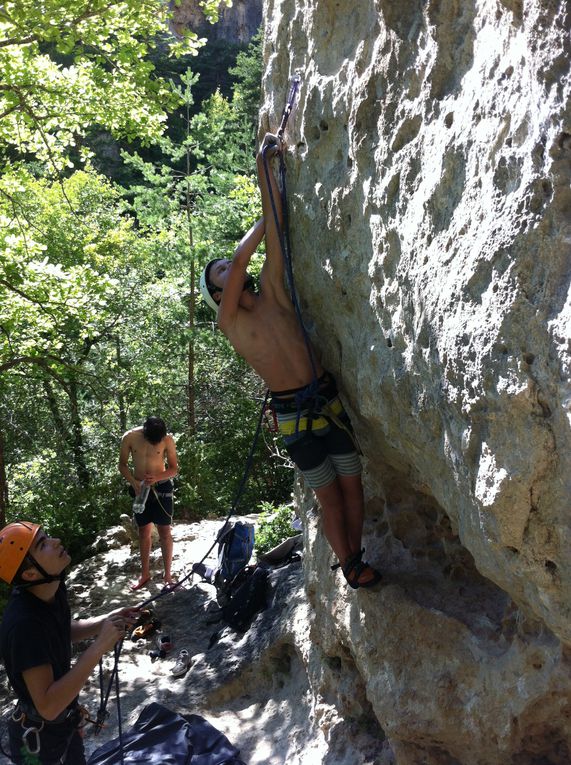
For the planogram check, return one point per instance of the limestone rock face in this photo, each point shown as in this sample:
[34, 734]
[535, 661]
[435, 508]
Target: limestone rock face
[429, 169]
[237, 24]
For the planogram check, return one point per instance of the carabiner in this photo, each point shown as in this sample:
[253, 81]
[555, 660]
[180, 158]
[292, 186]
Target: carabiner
[28, 732]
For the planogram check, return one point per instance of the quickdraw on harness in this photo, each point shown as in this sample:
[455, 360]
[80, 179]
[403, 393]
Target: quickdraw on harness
[33, 724]
[270, 419]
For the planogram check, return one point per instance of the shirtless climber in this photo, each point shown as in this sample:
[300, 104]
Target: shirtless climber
[264, 329]
[150, 447]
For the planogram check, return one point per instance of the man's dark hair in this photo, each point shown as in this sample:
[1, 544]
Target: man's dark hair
[154, 430]
[212, 288]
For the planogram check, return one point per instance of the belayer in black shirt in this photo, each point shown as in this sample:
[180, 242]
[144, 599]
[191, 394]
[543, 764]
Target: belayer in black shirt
[35, 641]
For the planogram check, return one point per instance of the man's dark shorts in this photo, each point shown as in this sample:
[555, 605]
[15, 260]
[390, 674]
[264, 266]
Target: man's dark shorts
[317, 433]
[159, 505]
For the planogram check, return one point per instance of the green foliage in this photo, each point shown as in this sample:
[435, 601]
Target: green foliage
[274, 526]
[248, 90]
[66, 65]
[67, 257]
[101, 323]
[71, 261]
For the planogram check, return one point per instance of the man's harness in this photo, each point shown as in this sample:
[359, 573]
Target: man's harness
[314, 406]
[32, 723]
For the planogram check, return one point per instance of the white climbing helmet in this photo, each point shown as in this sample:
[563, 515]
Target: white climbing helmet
[207, 289]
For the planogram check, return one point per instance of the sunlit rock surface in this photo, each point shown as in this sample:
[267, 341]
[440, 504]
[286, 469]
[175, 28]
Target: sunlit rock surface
[429, 166]
[429, 169]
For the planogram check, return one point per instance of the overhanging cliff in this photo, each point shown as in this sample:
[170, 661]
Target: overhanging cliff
[429, 169]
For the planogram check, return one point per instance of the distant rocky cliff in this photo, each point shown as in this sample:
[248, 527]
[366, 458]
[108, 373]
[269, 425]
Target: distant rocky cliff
[237, 24]
[429, 170]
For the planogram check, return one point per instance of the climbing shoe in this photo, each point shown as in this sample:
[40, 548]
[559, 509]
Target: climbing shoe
[164, 643]
[358, 573]
[182, 664]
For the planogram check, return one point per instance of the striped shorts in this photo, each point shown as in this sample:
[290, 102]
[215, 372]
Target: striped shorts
[317, 433]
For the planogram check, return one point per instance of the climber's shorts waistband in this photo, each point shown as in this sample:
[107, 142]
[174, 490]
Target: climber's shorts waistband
[306, 408]
[317, 432]
[292, 393]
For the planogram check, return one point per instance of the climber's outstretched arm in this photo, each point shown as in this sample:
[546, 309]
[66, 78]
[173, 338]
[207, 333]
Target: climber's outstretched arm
[273, 269]
[234, 274]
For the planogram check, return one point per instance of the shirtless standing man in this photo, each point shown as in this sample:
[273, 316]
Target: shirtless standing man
[264, 329]
[150, 446]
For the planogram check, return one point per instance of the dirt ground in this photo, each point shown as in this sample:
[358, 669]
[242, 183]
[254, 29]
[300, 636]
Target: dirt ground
[253, 688]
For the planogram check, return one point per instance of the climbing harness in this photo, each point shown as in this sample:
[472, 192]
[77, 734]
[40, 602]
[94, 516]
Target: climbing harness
[157, 495]
[310, 406]
[33, 724]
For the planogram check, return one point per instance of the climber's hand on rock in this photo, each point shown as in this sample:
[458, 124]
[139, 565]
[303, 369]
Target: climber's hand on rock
[271, 145]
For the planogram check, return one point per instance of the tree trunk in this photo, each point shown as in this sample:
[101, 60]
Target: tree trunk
[190, 399]
[73, 437]
[77, 444]
[120, 396]
[3, 483]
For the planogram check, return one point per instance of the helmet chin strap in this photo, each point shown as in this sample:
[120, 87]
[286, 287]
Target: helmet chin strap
[47, 578]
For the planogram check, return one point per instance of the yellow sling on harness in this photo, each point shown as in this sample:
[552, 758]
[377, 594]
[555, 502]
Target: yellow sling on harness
[327, 413]
[294, 425]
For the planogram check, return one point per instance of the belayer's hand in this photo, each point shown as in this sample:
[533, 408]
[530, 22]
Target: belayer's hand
[112, 630]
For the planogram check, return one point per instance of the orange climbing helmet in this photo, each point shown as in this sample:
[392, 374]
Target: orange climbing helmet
[15, 542]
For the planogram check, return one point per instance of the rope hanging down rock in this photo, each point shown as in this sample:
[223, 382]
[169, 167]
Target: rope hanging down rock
[283, 230]
[286, 252]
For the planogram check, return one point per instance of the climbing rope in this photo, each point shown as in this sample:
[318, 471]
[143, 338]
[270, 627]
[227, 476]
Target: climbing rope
[310, 392]
[286, 253]
[283, 230]
[114, 678]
